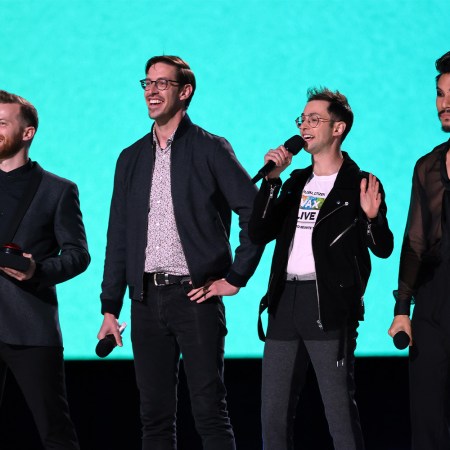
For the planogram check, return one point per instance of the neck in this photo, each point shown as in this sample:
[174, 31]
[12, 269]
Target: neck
[165, 129]
[327, 163]
[16, 161]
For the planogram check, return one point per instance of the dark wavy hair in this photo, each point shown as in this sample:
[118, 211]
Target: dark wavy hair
[338, 107]
[443, 65]
[184, 72]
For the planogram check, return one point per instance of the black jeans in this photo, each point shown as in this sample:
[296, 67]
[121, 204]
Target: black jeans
[39, 372]
[164, 325]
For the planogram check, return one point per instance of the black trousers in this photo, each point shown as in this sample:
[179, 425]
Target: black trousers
[164, 325]
[39, 372]
[429, 364]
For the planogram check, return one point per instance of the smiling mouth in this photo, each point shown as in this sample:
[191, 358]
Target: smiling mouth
[154, 102]
[307, 137]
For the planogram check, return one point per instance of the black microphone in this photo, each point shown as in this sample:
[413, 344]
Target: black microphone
[292, 145]
[106, 345]
[401, 340]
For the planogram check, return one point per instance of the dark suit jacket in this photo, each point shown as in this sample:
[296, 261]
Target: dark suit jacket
[207, 184]
[52, 231]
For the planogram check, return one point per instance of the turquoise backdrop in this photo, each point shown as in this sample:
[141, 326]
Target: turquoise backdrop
[79, 63]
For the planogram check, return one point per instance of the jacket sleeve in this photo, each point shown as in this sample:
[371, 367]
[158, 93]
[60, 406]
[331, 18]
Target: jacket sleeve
[413, 248]
[71, 238]
[114, 273]
[263, 226]
[239, 192]
[379, 237]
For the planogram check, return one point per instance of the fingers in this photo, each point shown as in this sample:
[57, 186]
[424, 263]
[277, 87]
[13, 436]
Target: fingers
[201, 294]
[280, 156]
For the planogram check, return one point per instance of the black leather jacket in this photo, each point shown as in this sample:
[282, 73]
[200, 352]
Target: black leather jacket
[341, 238]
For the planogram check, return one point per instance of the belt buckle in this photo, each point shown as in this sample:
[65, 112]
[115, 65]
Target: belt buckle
[166, 279]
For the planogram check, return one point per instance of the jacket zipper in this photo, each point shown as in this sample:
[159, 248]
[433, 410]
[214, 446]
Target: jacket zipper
[369, 232]
[319, 320]
[272, 190]
[344, 232]
[360, 283]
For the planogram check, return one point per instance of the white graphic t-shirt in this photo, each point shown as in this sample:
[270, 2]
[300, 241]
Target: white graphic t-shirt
[316, 190]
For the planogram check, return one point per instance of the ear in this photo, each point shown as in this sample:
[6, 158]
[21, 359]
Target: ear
[339, 128]
[28, 134]
[185, 92]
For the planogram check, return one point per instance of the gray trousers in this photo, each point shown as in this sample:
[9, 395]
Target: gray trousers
[284, 369]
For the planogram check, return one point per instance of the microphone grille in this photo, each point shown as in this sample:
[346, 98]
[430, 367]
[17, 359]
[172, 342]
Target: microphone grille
[294, 144]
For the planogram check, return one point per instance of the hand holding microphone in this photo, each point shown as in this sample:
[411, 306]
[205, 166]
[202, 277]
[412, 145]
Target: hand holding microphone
[400, 331]
[292, 145]
[106, 345]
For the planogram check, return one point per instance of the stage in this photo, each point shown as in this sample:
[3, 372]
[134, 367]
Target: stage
[105, 408]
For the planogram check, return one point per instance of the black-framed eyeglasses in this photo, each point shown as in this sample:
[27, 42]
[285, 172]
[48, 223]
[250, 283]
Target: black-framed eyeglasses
[313, 120]
[161, 83]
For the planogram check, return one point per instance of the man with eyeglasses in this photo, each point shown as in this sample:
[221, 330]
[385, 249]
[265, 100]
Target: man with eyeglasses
[424, 279]
[324, 219]
[168, 242]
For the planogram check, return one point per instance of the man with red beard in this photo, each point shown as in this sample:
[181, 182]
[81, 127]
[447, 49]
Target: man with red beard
[168, 242]
[424, 279]
[50, 233]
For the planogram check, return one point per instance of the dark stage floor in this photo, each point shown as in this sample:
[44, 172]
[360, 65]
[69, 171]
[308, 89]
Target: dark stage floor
[104, 404]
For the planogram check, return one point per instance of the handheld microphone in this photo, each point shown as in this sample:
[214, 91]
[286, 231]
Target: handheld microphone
[401, 340]
[106, 345]
[292, 145]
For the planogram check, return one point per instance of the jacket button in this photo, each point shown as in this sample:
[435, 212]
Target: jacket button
[338, 202]
[341, 284]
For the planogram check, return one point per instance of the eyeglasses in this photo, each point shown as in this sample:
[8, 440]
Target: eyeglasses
[161, 83]
[313, 120]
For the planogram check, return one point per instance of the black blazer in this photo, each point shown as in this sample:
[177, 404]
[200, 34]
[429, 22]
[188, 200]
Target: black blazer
[52, 231]
[340, 241]
[208, 183]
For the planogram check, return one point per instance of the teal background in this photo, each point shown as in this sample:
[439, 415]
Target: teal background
[79, 63]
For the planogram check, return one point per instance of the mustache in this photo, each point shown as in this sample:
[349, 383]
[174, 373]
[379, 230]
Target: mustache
[444, 111]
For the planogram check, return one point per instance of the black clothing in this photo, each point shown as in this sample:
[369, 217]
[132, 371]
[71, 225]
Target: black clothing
[208, 183]
[166, 324]
[424, 280]
[421, 249]
[30, 337]
[340, 241]
[39, 371]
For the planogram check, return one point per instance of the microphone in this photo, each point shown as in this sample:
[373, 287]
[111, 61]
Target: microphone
[106, 345]
[292, 145]
[401, 340]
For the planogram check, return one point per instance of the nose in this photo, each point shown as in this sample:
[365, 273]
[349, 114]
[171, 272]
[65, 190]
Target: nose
[446, 100]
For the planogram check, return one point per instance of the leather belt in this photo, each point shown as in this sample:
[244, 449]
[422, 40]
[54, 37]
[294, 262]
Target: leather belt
[166, 279]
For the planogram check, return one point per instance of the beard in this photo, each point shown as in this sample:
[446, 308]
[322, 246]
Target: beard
[10, 147]
[445, 126]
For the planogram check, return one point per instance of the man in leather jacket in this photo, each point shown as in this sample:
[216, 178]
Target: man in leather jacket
[324, 221]
[424, 278]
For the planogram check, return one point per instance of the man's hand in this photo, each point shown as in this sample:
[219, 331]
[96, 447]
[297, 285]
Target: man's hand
[281, 157]
[218, 287]
[21, 276]
[110, 325]
[401, 322]
[370, 197]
